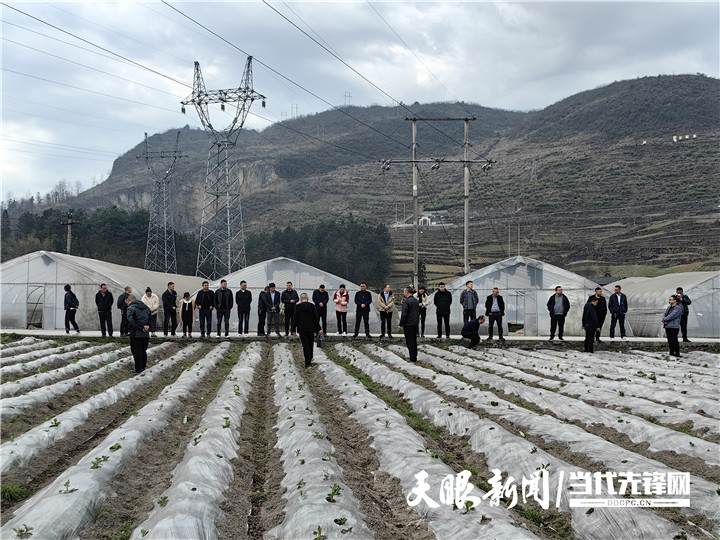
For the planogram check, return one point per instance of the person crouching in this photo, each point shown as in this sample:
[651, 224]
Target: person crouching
[471, 331]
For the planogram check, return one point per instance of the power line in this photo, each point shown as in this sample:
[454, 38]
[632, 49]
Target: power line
[24, 140]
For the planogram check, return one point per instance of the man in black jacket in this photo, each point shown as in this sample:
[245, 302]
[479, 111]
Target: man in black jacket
[618, 306]
[558, 306]
[122, 306]
[223, 306]
[262, 312]
[471, 331]
[600, 309]
[409, 322]
[205, 303]
[495, 310]
[289, 298]
[684, 301]
[272, 306]
[306, 322]
[590, 322]
[71, 305]
[443, 300]
[321, 298]
[243, 299]
[104, 303]
[139, 331]
[363, 299]
[169, 301]
[469, 302]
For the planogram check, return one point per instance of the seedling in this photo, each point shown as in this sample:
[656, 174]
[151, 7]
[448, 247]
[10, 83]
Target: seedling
[312, 423]
[288, 389]
[23, 531]
[227, 422]
[329, 456]
[301, 385]
[542, 466]
[301, 484]
[340, 521]
[162, 501]
[67, 489]
[534, 449]
[387, 422]
[622, 394]
[116, 446]
[297, 452]
[692, 443]
[326, 474]
[494, 403]
[97, 461]
[318, 435]
[334, 492]
[468, 506]
[318, 535]
[143, 532]
[302, 462]
[54, 423]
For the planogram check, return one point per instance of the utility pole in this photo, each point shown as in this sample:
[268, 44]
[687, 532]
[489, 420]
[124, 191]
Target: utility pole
[222, 236]
[416, 218]
[466, 200]
[70, 222]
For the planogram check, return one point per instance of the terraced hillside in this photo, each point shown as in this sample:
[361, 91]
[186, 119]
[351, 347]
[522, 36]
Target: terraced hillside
[235, 439]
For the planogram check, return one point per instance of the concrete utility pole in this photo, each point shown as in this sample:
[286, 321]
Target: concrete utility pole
[416, 217]
[466, 200]
[70, 222]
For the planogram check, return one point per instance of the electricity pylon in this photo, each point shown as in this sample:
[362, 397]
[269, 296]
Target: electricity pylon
[160, 252]
[222, 236]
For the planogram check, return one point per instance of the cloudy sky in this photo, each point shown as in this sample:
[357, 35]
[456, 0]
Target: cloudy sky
[82, 82]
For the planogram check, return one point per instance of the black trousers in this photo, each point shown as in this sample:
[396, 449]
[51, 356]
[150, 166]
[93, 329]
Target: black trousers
[170, 318]
[243, 322]
[322, 318]
[385, 319]
[601, 321]
[411, 341]
[365, 317]
[138, 347]
[70, 319]
[620, 318]
[341, 317]
[557, 322]
[273, 318]
[289, 318]
[262, 315]
[440, 319]
[474, 340]
[187, 322]
[124, 327]
[105, 320]
[423, 314]
[468, 314]
[223, 314]
[590, 339]
[205, 322]
[672, 339]
[307, 338]
[495, 318]
[683, 326]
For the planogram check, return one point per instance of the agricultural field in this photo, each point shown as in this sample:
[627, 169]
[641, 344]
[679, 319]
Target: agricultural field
[236, 439]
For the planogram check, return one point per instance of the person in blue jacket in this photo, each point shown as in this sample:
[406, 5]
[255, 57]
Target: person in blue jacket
[363, 300]
[671, 322]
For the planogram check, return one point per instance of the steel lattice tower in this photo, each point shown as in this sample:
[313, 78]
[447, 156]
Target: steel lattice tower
[222, 236]
[160, 252]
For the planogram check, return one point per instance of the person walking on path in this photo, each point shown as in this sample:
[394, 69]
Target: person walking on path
[223, 307]
[289, 298]
[409, 322]
[307, 324]
[471, 331]
[341, 299]
[684, 301]
[495, 310]
[151, 300]
[272, 305]
[590, 322]
[443, 300]
[169, 301]
[469, 302]
[243, 300]
[262, 312]
[321, 298]
[600, 309]
[618, 306]
[386, 304]
[558, 307]
[671, 322]
[363, 299]
[187, 314]
[424, 302]
[71, 306]
[104, 303]
[122, 306]
[205, 303]
[139, 326]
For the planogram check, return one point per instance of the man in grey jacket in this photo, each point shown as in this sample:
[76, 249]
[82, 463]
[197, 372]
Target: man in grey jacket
[469, 302]
[409, 321]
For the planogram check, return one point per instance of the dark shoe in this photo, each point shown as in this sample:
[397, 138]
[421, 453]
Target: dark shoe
[489, 338]
[598, 340]
[382, 336]
[355, 336]
[368, 336]
[502, 339]
[686, 341]
[551, 338]
[439, 337]
[389, 336]
[561, 339]
[67, 331]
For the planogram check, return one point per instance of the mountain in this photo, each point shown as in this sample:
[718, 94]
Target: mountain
[610, 186]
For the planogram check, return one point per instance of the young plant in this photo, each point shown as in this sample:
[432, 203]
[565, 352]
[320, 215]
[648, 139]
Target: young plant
[227, 422]
[328, 456]
[318, 535]
[301, 484]
[334, 492]
[318, 435]
[162, 501]
[115, 447]
[23, 531]
[54, 423]
[67, 489]
[340, 521]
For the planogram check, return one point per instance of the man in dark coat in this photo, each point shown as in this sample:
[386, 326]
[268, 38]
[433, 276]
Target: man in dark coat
[205, 303]
[272, 306]
[289, 298]
[223, 307]
[307, 324]
[684, 301]
[104, 303]
[169, 301]
[471, 331]
[590, 322]
[321, 298]
[442, 299]
[600, 309]
[262, 312]
[71, 306]
[469, 302]
[495, 309]
[558, 306]
[618, 306]
[243, 300]
[138, 315]
[409, 322]
[363, 299]
[122, 306]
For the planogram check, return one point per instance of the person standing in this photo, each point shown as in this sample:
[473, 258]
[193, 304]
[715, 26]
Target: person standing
[151, 300]
[321, 298]
[443, 300]
[289, 298]
[71, 306]
[122, 306]
[590, 322]
[469, 302]
[243, 300]
[558, 306]
[169, 301]
[262, 312]
[409, 322]
[341, 298]
[272, 306]
[363, 300]
[618, 307]
[600, 309]
[684, 301]
[104, 303]
[223, 307]
[307, 324]
[671, 322]
[138, 314]
[187, 314]
[471, 331]
[386, 303]
[205, 303]
[495, 310]
[423, 302]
